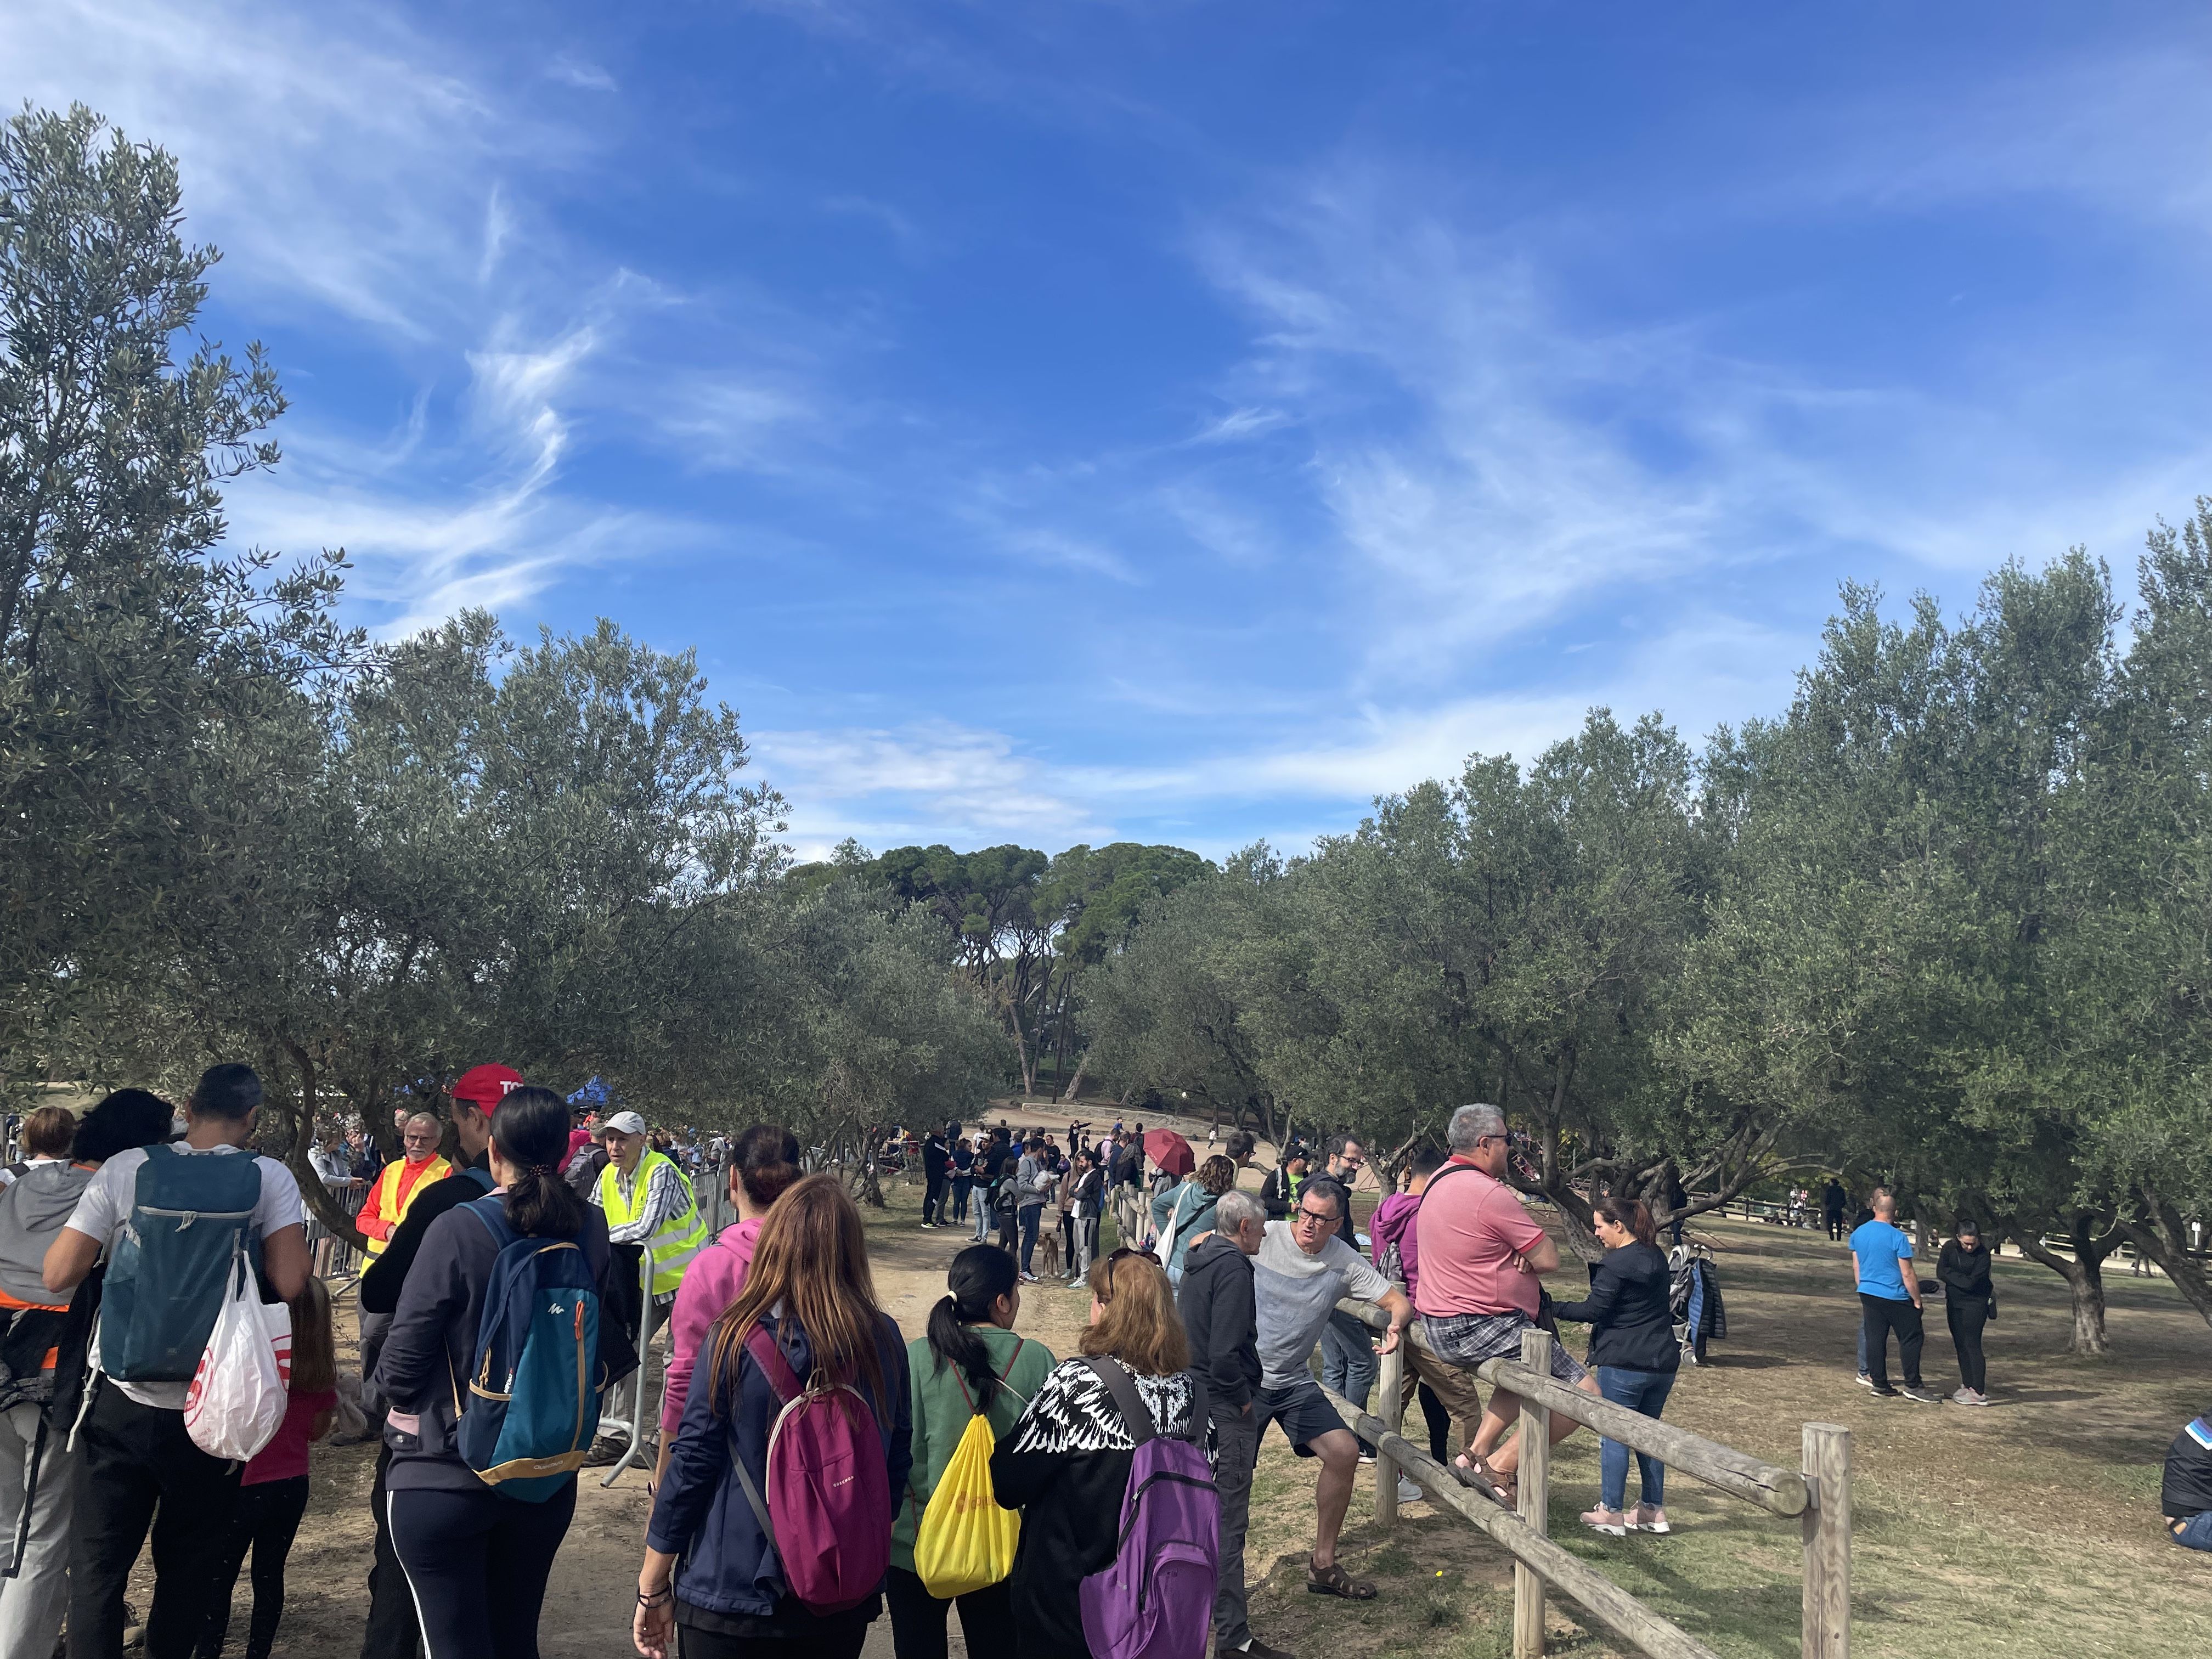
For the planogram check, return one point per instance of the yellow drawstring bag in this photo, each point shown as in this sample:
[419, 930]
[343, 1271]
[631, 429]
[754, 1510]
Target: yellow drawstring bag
[966, 1541]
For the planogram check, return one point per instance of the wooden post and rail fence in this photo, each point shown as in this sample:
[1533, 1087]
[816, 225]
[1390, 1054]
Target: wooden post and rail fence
[1817, 1494]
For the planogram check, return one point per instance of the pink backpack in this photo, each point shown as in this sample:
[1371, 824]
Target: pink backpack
[828, 1514]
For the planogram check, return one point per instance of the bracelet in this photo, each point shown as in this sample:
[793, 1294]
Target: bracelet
[659, 1598]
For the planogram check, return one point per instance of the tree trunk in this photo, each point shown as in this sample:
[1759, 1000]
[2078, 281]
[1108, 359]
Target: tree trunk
[321, 1204]
[1076, 1082]
[2084, 1276]
[2165, 1240]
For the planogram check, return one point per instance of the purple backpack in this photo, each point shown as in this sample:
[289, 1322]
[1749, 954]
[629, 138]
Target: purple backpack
[1156, 1598]
[828, 1514]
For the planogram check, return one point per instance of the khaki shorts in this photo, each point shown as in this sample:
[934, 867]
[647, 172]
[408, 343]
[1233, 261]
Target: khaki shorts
[1455, 1385]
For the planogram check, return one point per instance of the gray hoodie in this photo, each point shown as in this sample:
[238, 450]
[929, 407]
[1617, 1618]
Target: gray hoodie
[31, 1211]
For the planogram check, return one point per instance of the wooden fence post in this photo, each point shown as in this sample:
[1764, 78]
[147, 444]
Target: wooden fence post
[1387, 1472]
[1535, 1506]
[1826, 1630]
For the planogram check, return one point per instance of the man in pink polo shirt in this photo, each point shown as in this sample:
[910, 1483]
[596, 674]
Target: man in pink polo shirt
[1481, 1253]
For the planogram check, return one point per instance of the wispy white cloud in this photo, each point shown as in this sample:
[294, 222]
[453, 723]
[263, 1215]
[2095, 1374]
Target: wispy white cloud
[581, 73]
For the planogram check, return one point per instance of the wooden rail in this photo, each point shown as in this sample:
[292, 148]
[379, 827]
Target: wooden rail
[1818, 1495]
[1781, 1491]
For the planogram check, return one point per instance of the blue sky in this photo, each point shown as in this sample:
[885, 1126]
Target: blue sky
[1184, 422]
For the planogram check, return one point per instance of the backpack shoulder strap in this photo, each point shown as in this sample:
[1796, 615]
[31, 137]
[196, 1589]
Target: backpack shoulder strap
[774, 1366]
[1450, 1168]
[481, 1178]
[493, 1214]
[1126, 1400]
[1201, 1409]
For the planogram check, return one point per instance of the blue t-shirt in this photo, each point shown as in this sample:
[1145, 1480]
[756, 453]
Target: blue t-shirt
[1881, 1250]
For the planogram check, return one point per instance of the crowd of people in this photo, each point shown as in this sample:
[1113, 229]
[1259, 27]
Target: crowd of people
[814, 1468]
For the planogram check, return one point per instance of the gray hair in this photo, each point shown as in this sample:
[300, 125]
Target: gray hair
[1233, 1210]
[1470, 1124]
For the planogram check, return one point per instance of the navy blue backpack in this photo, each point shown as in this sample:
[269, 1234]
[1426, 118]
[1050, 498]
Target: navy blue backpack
[533, 1400]
[191, 1215]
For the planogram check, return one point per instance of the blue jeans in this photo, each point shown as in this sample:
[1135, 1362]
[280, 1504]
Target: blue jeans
[2196, 1532]
[1640, 1391]
[1348, 1359]
[1031, 1215]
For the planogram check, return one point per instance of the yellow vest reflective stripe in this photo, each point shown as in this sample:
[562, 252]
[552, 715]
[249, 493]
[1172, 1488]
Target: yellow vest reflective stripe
[389, 1207]
[681, 1236]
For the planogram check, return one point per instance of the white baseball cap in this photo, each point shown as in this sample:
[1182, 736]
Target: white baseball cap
[628, 1123]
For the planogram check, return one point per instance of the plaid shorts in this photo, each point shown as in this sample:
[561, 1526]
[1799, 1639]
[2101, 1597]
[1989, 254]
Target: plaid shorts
[1470, 1339]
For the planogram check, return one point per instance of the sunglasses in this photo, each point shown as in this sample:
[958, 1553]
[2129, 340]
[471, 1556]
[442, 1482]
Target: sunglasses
[1101, 1286]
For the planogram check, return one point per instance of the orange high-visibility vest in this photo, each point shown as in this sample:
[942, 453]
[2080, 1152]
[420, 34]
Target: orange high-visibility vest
[394, 1193]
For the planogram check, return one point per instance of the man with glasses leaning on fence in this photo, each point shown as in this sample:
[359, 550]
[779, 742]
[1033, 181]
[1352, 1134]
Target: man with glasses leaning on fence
[1302, 1267]
[1481, 1253]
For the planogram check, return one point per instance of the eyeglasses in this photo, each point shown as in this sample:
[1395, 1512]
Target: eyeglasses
[1319, 1218]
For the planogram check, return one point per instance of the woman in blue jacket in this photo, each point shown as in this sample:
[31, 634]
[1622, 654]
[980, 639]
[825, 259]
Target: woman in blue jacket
[1633, 1353]
[810, 1290]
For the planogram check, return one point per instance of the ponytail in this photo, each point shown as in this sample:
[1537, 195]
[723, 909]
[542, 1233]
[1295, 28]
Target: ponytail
[530, 1128]
[979, 1275]
[1633, 1214]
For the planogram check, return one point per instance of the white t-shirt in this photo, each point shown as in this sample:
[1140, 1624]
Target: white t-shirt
[106, 1206]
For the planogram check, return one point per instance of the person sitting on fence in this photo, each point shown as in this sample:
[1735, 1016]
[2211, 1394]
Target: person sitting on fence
[1633, 1350]
[1303, 1269]
[1481, 1253]
[2184, 1496]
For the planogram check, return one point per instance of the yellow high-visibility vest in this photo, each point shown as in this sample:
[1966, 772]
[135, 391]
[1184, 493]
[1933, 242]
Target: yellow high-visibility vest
[391, 1208]
[680, 1237]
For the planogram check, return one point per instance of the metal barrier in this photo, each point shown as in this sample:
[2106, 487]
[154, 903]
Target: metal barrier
[334, 1258]
[635, 1451]
[1818, 1494]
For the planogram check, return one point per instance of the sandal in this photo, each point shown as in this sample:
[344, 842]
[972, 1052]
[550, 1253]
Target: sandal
[1333, 1580]
[1500, 1489]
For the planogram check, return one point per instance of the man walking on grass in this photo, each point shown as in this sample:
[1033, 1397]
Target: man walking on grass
[1889, 1300]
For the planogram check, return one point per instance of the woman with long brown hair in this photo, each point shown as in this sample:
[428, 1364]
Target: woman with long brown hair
[1632, 1353]
[809, 1291]
[1065, 1464]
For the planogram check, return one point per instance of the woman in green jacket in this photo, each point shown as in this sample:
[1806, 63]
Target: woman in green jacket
[971, 1361]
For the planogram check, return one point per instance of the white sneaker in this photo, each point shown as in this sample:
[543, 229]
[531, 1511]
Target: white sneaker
[1962, 1396]
[1866, 1379]
[1410, 1494]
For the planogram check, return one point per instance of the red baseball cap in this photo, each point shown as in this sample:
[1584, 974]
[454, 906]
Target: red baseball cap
[487, 1085]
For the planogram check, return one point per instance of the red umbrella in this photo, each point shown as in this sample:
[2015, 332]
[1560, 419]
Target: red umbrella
[1170, 1151]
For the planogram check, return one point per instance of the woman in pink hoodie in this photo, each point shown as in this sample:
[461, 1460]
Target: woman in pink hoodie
[763, 1162]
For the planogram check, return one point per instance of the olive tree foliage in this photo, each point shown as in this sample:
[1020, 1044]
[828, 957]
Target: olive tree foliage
[2137, 964]
[229, 828]
[1514, 936]
[134, 661]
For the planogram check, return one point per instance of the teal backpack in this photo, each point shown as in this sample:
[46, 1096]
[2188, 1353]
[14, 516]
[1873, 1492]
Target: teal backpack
[190, 1215]
[533, 1395]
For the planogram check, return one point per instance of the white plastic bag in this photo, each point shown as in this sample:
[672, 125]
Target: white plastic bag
[237, 1400]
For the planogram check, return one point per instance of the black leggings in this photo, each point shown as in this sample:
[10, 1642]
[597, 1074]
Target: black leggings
[987, 1618]
[265, 1522]
[1967, 1315]
[1439, 1422]
[843, 1643]
[477, 1564]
